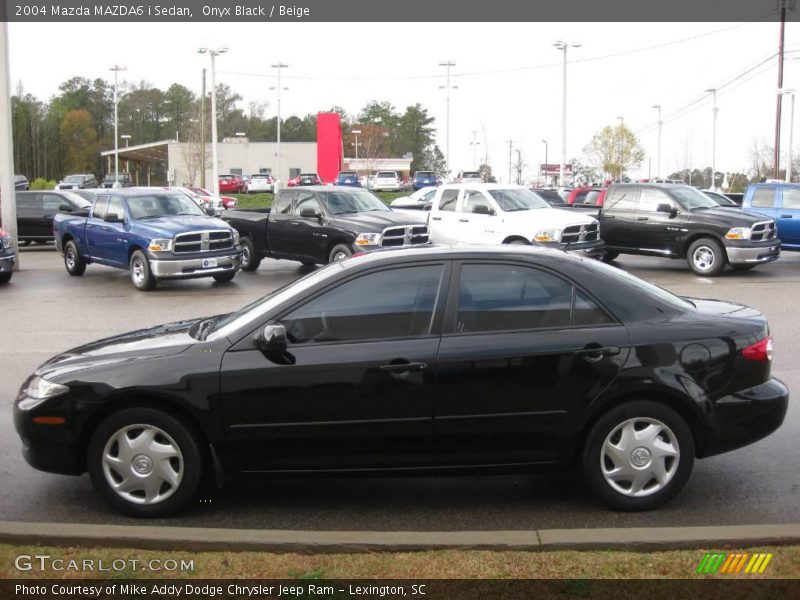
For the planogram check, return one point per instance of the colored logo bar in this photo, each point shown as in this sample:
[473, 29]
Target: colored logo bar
[738, 562]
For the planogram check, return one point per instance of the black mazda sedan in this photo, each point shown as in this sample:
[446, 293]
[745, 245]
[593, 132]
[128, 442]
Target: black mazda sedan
[441, 359]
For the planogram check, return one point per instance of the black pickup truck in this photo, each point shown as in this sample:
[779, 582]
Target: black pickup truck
[322, 224]
[679, 221]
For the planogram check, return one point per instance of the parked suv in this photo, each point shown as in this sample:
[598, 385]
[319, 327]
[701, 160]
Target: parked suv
[423, 179]
[347, 178]
[679, 221]
[387, 181]
[781, 202]
[123, 180]
[77, 181]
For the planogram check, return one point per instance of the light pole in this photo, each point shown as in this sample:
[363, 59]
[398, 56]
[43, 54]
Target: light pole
[510, 148]
[213, 53]
[447, 64]
[713, 92]
[116, 69]
[621, 120]
[127, 138]
[789, 92]
[660, 122]
[562, 45]
[545, 163]
[280, 66]
[356, 132]
[474, 143]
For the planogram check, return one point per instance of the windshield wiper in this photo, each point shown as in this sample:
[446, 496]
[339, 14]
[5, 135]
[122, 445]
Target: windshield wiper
[205, 327]
[149, 217]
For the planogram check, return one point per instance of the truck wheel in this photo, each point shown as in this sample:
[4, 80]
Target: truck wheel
[250, 260]
[224, 277]
[145, 462]
[339, 252]
[706, 257]
[638, 455]
[72, 259]
[141, 275]
[5, 277]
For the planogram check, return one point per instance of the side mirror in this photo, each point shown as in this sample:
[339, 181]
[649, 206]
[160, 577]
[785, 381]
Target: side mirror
[667, 208]
[113, 218]
[310, 213]
[273, 344]
[482, 209]
[65, 208]
[210, 211]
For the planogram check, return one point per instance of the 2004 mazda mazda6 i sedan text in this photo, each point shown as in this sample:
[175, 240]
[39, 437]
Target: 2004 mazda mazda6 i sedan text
[440, 358]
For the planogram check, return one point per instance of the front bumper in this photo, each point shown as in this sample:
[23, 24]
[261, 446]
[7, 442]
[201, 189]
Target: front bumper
[592, 249]
[760, 252]
[51, 448]
[744, 417]
[192, 268]
[6, 263]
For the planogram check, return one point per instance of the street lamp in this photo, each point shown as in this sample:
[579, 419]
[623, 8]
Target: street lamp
[356, 133]
[713, 92]
[789, 92]
[562, 45]
[280, 66]
[447, 64]
[658, 163]
[213, 53]
[545, 162]
[116, 69]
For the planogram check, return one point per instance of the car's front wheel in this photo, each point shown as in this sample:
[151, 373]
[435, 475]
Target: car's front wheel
[141, 274]
[706, 257]
[339, 252]
[638, 455]
[250, 259]
[145, 462]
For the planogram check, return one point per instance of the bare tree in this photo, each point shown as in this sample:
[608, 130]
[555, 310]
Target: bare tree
[193, 152]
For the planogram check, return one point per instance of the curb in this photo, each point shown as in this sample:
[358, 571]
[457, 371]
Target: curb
[209, 538]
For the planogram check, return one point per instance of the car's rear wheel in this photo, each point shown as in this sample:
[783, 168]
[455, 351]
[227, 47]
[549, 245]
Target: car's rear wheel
[638, 455]
[706, 257]
[250, 259]
[73, 261]
[339, 252]
[141, 274]
[145, 462]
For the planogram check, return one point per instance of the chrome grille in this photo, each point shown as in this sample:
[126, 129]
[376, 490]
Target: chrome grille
[203, 241]
[765, 230]
[408, 235]
[580, 233]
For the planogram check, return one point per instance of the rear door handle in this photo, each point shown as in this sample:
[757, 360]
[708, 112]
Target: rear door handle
[786, 216]
[463, 220]
[608, 216]
[642, 218]
[436, 218]
[404, 367]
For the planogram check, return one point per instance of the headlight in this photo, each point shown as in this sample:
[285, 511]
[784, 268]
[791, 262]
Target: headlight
[738, 233]
[368, 239]
[547, 235]
[160, 245]
[40, 389]
[8, 241]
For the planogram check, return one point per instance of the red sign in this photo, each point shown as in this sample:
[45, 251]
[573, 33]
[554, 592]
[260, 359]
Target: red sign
[549, 169]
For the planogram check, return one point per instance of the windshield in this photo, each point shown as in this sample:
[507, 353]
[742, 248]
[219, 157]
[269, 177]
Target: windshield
[146, 207]
[351, 202]
[385, 174]
[74, 179]
[690, 198]
[517, 199]
[423, 175]
[471, 175]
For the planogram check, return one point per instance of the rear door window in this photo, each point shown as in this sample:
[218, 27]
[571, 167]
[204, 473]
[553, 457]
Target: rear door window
[448, 201]
[763, 197]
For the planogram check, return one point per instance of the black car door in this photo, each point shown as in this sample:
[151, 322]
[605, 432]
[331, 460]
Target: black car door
[279, 227]
[357, 388]
[522, 350]
[307, 234]
[657, 231]
[51, 204]
[29, 211]
[618, 220]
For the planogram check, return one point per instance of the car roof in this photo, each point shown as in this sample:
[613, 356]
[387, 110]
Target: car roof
[139, 191]
[484, 186]
[455, 251]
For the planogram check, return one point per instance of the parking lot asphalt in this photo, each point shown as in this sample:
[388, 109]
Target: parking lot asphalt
[43, 311]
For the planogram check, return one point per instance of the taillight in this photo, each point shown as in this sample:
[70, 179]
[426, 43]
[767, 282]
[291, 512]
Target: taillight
[759, 352]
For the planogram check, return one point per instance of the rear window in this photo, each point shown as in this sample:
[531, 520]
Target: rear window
[387, 174]
[423, 175]
[471, 174]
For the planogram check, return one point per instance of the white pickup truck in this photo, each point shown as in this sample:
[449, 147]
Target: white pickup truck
[490, 213]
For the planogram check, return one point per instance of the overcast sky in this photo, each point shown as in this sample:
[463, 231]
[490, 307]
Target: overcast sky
[508, 77]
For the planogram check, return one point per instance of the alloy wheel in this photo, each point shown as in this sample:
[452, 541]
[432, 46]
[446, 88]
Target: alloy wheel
[704, 258]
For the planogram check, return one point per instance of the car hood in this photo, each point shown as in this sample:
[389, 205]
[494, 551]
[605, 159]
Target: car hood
[180, 224]
[730, 216]
[375, 221]
[163, 340]
[547, 217]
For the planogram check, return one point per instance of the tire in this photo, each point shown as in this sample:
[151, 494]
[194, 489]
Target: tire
[141, 275]
[250, 261]
[706, 257]
[5, 277]
[609, 256]
[24, 242]
[606, 450]
[73, 261]
[172, 457]
[224, 277]
[339, 252]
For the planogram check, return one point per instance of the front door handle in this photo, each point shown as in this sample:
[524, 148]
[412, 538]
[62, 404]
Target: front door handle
[608, 216]
[594, 352]
[436, 218]
[642, 218]
[463, 220]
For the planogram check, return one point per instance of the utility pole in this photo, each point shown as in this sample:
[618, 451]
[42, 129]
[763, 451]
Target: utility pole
[510, 147]
[546, 180]
[280, 66]
[519, 165]
[561, 45]
[116, 69]
[713, 92]
[658, 162]
[8, 206]
[203, 133]
[789, 92]
[779, 97]
[447, 87]
[213, 53]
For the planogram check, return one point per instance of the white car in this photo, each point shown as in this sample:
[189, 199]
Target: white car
[469, 177]
[260, 183]
[491, 213]
[419, 200]
[386, 181]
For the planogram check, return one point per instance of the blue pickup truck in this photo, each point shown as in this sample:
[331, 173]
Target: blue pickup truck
[781, 202]
[156, 234]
